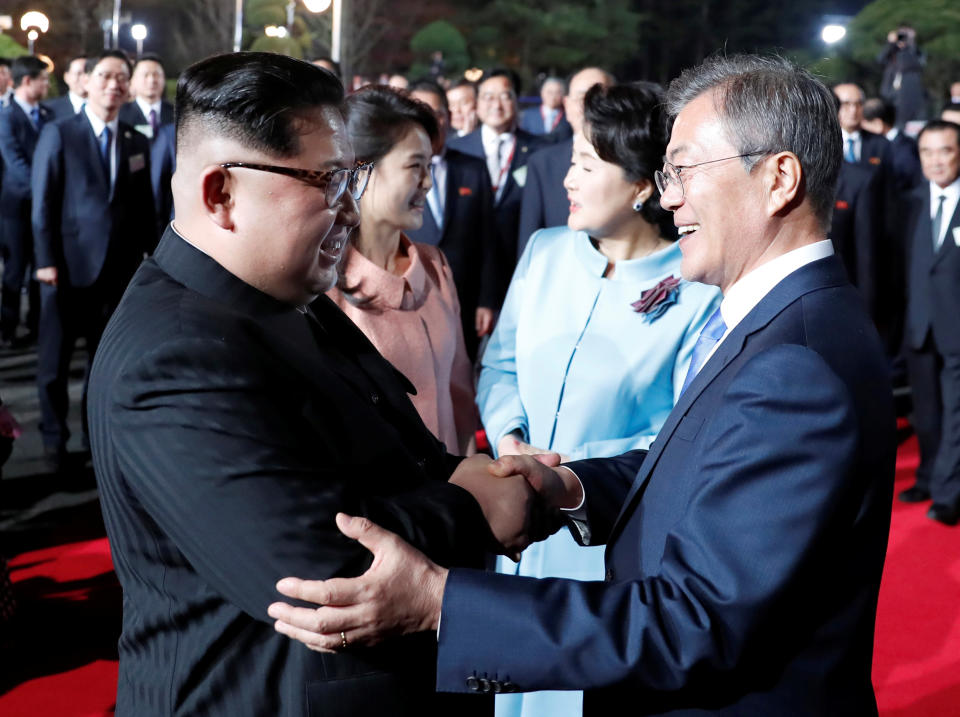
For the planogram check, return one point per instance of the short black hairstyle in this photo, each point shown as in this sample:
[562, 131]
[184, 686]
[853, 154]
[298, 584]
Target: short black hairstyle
[92, 62]
[464, 82]
[627, 126]
[939, 125]
[149, 57]
[951, 106]
[512, 77]
[379, 116]
[881, 109]
[254, 98]
[26, 66]
[426, 85]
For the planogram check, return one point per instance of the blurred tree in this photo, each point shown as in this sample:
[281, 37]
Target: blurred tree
[937, 23]
[439, 36]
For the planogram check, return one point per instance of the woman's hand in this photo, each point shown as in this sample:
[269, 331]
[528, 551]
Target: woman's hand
[511, 445]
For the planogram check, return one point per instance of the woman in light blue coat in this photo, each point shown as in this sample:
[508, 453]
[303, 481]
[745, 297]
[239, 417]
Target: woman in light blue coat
[595, 336]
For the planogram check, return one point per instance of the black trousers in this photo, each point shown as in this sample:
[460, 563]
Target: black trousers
[18, 269]
[67, 314]
[935, 384]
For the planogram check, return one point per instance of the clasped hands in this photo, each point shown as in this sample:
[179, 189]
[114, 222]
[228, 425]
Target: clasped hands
[402, 591]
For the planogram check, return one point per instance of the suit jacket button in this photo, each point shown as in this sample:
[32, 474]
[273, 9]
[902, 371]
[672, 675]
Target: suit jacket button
[375, 398]
[496, 687]
[509, 687]
[608, 576]
[473, 684]
[484, 685]
[422, 463]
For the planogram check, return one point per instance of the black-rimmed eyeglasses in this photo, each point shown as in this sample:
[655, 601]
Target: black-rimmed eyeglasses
[334, 182]
[671, 172]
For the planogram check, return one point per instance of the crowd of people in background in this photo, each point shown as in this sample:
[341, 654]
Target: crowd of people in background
[513, 263]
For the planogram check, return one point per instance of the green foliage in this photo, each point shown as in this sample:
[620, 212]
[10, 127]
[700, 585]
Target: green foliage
[443, 36]
[260, 13]
[546, 35]
[9, 48]
[937, 23]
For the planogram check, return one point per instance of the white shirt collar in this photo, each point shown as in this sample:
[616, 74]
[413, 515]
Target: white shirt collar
[951, 192]
[892, 134]
[25, 106]
[855, 135]
[98, 124]
[491, 138]
[145, 107]
[76, 100]
[750, 289]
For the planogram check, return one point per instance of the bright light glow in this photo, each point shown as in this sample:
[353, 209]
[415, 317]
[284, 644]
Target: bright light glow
[473, 74]
[275, 31]
[48, 62]
[33, 34]
[833, 33]
[34, 19]
[138, 32]
[317, 5]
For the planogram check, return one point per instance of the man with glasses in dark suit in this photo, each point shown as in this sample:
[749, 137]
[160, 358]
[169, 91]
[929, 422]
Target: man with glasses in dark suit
[234, 409]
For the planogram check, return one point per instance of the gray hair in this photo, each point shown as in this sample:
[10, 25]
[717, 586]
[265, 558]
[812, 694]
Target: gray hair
[768, 105]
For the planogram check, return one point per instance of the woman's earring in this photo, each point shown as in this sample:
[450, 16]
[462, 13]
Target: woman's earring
[638, 205]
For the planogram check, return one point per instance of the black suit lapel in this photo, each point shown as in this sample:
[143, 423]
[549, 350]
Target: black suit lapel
[86, 136]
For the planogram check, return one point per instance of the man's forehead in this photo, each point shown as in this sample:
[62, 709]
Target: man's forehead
[583, 81]
[696, 127]
[111, 64]
[938, 138]
[495, 82]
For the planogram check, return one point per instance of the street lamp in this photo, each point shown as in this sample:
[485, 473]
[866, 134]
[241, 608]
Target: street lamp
[33, 23]
[832, 34]
[314, 6]
[139, 33]
[275, 31]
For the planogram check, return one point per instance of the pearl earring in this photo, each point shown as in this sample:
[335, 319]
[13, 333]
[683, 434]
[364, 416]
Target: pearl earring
[638, 205]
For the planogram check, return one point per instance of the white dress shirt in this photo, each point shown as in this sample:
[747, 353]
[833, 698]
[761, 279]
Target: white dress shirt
[145, 107]
[98, 125]
[498, 149]
[857, 142]
[437, 195]
[952, 194]
[76, 100]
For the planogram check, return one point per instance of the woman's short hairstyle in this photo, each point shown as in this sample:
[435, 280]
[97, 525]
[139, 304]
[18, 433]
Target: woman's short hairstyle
[627, 126]
[379, 116]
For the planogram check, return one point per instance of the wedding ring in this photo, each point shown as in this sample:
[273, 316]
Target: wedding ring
[343, 639]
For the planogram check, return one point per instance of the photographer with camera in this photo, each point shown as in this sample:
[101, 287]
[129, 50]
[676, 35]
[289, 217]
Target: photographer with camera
[902, 82]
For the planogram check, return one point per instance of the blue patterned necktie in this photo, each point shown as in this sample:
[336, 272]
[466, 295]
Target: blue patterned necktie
[851, 153]
[712, 332]
[105, 150]
[37, 120]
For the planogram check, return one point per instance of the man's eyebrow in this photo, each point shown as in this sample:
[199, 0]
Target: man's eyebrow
[675, 151]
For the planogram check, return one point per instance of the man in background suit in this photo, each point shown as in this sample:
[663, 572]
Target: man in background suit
[148, 111]
[163, 163]
[234, 409]
[544, 201]
[93, 219]
[933, 329]
[6, 83]
[20, 125]
[859, 145]
[547, 119]
[75, 79]
[462, 100]
[745, 555]
[879, 117]
[460, 222]
[505, 148]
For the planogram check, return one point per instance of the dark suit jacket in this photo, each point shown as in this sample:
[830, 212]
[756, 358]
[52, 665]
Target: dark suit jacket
[18, 141]
[226, 433]
[77, 223]
[905, 162]
[61, 107]
[875, 151]
[544, 201]
[133, 115]
[857, 229]
[468, 237]
[743, 560]
[507, 207]
[163, 163]
[934, 279]
[532, 121]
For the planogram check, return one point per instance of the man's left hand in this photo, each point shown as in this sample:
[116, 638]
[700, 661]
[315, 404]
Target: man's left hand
[400, 593]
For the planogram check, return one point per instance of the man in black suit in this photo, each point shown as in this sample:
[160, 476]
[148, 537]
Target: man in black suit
[148, 111]
[234, 410]
[933, 329]
[460, 221]
[20, 125]
[859, 145]
[879, 117]
[544, 201]
[505, 148]
[93, 219]
[75, 79]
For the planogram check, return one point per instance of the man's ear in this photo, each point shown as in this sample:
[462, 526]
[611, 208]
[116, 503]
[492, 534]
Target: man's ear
[218, 200]
[783, 177]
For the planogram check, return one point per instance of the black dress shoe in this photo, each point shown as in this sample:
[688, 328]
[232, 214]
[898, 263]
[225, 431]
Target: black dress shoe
[944, 514]
[915, 494]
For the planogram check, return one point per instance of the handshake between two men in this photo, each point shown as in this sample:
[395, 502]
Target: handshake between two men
[402, 592]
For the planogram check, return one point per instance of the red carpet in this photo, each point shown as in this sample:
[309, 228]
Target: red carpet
[916, 665]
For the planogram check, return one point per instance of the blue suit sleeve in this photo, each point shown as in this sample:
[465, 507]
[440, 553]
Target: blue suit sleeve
[16, 163]
[733, 586]
[47, 184]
